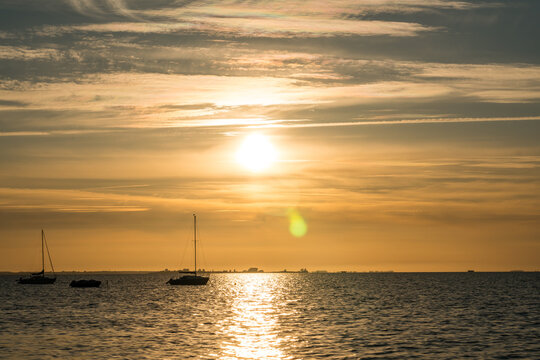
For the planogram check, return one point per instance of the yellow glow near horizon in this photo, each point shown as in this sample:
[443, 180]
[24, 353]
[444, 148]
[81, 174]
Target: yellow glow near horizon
[256, 153]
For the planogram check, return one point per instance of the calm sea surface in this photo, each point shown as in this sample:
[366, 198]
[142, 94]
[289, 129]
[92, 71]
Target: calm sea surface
[276, 316]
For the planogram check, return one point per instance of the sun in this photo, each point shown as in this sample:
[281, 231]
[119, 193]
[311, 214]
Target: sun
[256, 153]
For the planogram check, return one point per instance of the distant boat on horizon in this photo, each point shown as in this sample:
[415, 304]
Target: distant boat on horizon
[39, 278]
[192, 278]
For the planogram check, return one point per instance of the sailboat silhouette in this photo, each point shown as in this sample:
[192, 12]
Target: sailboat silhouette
[192, 278]
[39, 278]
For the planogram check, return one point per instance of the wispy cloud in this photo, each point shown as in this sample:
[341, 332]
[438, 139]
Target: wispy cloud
[397, 122]
[99, 9]
[298, 26]
[67, 201]
[280, 19]
[264, 27]
[18, 52]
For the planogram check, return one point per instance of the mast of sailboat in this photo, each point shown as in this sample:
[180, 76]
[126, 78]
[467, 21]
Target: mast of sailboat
[48, 255]
[195, 240]
[42, 256]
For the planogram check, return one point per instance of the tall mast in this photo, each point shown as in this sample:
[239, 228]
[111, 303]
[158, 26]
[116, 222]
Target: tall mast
[42, 256]
[195, 240]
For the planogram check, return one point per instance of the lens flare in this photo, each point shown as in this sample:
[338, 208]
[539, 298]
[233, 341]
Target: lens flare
[297, 224]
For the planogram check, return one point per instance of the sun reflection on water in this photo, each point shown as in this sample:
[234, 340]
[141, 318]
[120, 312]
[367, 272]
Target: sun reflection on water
[252, 332]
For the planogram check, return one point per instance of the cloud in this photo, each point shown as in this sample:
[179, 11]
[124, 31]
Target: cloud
[263, 27]
[67, 201]
[395, 122]
[129, 27]
[307, 27]
[52, 132]
[280, 19]
[12, 103]
[25, 53]
[352, 90]
[98, 9]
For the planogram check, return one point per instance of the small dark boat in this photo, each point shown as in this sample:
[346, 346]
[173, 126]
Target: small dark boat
[192, 279]
[85, 283]
[189, 280]
[39, 278]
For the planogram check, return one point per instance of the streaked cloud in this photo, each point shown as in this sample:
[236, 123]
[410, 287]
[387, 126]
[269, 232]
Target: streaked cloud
[395, 122]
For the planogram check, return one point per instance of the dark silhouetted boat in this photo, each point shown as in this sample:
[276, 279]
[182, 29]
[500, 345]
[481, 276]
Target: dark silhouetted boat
[40, 278]
[85, 283]
[191, 278]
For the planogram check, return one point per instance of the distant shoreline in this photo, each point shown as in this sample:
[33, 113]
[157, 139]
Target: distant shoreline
[135, 272]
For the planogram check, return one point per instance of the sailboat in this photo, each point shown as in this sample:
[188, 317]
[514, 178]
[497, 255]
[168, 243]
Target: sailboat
[39, 278]
[192, 278]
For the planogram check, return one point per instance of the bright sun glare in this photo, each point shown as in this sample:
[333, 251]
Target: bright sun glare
[256, 153]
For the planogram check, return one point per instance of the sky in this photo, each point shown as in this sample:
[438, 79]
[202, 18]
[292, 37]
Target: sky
[382, 134]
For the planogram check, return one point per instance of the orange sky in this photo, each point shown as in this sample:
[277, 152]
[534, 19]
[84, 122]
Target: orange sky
[394, 146]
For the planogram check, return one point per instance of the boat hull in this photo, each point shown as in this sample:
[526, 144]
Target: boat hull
[85, 283]
[189, 280]
[36, 280]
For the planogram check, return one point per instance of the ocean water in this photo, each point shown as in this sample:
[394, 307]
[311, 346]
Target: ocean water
[276, 316]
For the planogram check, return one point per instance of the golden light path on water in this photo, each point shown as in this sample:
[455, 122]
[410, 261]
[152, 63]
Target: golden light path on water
[252, 332]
